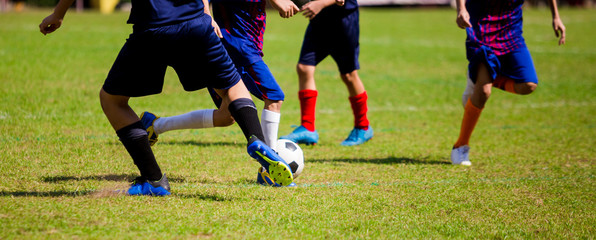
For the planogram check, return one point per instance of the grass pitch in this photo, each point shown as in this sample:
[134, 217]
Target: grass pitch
[533, 156]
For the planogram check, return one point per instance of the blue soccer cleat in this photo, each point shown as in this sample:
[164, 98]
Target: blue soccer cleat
[277, 168]
[302, 135]
[263, 178]
[142, 186]
[358, 136]
[147, 120]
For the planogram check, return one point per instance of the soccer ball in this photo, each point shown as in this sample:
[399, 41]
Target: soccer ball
[292, 154]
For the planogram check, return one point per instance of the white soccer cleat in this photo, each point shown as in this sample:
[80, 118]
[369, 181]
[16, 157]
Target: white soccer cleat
[459, 156]
[468, 92]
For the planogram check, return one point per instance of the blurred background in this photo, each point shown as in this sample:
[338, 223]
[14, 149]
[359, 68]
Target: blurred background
[109, 6]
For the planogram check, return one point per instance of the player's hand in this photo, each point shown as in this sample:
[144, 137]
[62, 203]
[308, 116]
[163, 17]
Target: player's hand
[50, 24]
[286, 8]
[463, 19]
[312, 8]
[216, 28]
[340, 2]
[559, 30]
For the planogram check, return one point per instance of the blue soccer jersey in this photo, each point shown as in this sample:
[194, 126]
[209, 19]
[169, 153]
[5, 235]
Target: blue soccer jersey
[243, 27]
[496, 24]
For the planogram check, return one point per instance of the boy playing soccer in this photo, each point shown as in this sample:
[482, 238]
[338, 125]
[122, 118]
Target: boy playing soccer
[177, 34]
[242, 25]
[333, 30]
[498, 57]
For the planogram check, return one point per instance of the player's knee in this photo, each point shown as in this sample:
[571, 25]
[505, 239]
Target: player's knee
[223, 121]
[274, 106]
[107, 99]
[349, 77]
[526, 88]
[222, 118]
[301, 69]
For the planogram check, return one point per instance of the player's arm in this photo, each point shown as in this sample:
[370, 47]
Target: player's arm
[463, 17]
[286, 8]
[557, 23]
[52, 22]
[207, 11]
[312, 8]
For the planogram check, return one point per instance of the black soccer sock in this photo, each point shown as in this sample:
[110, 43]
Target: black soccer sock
[245, 114]
[134, 139]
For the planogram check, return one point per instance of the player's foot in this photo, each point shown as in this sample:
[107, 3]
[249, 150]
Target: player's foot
[303, 135]
[147, 120]
[142, 186]
[468, 92]
[277, 168]
[358, 136]
[263, 178]
[459, 155]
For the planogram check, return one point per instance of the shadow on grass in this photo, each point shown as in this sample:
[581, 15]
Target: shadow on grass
[387, 160]
[196, 143]
[44, 194]
[107, 177]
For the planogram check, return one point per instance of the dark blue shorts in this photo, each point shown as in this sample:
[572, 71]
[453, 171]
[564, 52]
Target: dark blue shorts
[517, 65]
[191, 48]
[260, 82]
[335, 32]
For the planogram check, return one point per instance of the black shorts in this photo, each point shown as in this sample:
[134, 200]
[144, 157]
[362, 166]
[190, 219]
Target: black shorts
[191, 48]
[335, 31]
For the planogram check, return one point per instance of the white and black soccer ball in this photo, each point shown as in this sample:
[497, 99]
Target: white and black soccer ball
[292, 154]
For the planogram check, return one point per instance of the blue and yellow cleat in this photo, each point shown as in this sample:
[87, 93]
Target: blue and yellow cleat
[277, 168]
[142, 186]
[147, 120]
[264, 179]
[302, 135]
[358, 136]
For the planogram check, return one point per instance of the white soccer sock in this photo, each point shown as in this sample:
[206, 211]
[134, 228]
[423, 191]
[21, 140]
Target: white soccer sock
[192, 120]
[270, 125]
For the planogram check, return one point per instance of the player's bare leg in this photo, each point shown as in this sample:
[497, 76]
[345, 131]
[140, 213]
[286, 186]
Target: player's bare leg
[306, 77]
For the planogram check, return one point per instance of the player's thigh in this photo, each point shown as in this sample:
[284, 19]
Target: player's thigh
[200, 60]
[346, 49]
[261, 83]
[519, 66]
[139, 68]
[315, 45]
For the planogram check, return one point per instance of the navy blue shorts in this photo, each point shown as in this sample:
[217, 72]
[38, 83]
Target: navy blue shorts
[517, 65]
[260, 82]
[335, 31]
[191, 48]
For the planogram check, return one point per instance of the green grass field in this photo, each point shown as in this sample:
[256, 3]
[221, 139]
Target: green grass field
[533, 173]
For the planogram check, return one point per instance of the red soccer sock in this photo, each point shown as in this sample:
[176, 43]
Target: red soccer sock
[308, 102]
[471, 116]
[505, 84]
[360, 108]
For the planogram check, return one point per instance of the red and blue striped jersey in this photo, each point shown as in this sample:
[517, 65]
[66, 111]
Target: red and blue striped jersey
[496, 24]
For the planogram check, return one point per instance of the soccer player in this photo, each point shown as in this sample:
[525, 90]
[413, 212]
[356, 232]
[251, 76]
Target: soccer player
[333, 30]
[498, 57]
[179, 34]
[243, 27]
